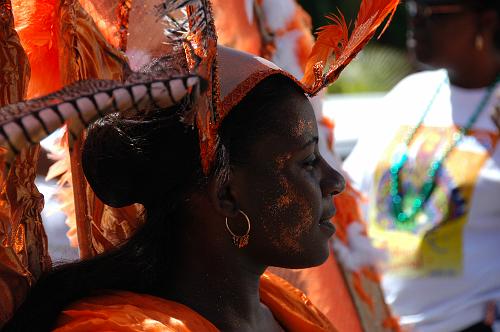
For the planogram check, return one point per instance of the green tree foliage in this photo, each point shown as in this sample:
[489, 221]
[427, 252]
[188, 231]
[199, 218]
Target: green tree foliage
[376, 69]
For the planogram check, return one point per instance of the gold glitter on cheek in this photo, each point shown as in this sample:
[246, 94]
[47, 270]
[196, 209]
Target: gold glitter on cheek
[295, 229]
[285, 232]
[280, 163]
[283, 202]
[284, 199]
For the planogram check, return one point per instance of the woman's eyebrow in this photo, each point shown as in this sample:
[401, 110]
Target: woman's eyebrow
[313, 140]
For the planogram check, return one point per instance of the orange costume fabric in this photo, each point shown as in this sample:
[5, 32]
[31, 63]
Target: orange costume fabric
[130, 312]
[23, 246]
[63, 45]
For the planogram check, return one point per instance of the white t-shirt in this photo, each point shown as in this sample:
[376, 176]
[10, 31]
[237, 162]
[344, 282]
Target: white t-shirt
[445, 269]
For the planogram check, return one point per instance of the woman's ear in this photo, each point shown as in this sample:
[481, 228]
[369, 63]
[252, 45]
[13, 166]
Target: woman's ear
[222, 195]
[487, 23]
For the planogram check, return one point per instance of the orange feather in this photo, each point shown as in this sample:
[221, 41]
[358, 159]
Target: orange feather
[38, 27]
[334, 49]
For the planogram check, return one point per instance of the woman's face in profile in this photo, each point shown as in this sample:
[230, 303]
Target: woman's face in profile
[286, 189]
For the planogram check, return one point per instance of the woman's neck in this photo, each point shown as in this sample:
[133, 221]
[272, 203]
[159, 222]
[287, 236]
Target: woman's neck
[220, 285]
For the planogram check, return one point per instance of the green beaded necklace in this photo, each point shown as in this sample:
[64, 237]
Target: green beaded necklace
[405, 216]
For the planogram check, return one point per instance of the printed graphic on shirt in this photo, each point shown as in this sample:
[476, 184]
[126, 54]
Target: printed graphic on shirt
[432, 245]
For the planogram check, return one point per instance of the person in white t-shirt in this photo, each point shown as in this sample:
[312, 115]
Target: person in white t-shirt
[431, 172]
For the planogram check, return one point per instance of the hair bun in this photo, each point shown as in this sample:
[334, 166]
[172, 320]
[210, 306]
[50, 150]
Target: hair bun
[109, 163]
[138, 160]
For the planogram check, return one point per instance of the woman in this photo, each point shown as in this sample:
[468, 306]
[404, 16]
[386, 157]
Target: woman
[432, 174]
[281, 32]
[187, 210]
[227, 189]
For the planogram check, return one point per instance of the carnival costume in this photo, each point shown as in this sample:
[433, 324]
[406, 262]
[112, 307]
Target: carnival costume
[76, 48]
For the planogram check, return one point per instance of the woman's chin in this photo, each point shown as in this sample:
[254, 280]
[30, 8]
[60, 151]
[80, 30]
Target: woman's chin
[318, 254]
[309, 258]
[321, 257]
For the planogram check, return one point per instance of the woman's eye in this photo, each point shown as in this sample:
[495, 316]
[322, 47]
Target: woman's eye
[310, 162]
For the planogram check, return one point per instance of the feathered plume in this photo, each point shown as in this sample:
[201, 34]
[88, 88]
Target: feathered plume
[111, 22]
[190, 27]
[334, 50]
[39, 29]
[79, 104]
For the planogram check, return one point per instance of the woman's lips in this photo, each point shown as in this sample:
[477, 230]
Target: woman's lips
[327, 226]
[325, 222]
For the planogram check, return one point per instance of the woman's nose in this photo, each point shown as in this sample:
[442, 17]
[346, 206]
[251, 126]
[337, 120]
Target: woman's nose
[333, 183]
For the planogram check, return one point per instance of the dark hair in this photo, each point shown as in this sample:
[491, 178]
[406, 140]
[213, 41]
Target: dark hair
[155, 161]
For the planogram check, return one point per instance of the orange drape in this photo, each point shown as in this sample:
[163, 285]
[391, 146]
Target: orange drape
[122, 311]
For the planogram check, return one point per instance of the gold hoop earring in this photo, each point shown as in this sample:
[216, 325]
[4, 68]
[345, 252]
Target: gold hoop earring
[240, 240]
[479, 42]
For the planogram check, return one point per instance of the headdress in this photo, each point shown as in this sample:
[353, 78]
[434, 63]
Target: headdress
[83, 41]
